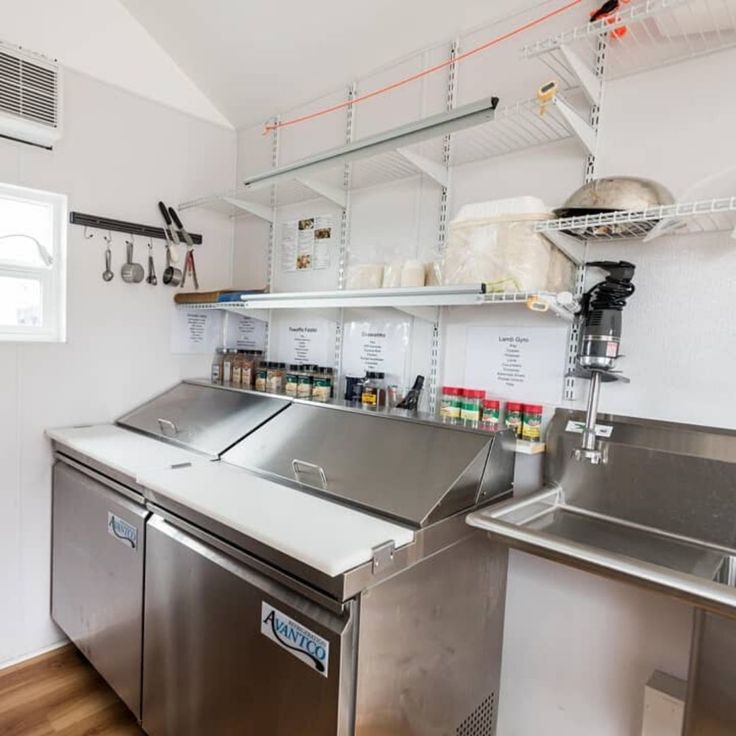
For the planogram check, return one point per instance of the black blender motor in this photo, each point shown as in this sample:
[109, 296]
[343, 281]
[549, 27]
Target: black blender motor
[602, 306]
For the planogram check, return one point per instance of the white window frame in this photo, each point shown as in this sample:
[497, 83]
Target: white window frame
[51, 278]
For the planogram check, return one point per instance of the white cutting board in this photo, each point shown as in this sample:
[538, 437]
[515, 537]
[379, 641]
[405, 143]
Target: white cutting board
[324, 535]
[120, 449]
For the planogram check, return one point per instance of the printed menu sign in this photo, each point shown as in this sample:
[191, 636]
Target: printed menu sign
[196, 331]
[307, 342]
[376, 346]
[306, 243]
[245, 333]
[523, 364]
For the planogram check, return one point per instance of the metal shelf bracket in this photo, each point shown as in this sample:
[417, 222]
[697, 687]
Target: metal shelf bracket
[573, 248]
[592, 84]
[584, 131]
[259, 210]
[434, 170]
[333, 194]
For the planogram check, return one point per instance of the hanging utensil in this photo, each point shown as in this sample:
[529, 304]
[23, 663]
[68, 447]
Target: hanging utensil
[131, 273]
[107, 274]
[189, 267]
[172, 276]
[151, 278]
[173, 235]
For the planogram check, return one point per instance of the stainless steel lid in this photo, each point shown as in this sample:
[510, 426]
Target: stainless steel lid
[410, 471]
[203, 418]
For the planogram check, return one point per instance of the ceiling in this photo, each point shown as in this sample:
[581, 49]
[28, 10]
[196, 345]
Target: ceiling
[255, 59]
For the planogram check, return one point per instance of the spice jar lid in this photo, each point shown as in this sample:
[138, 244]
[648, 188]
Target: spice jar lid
[375, 374]
[492, 404]
[514, 406]
[452, 390]
[473, 393]
[533, 408]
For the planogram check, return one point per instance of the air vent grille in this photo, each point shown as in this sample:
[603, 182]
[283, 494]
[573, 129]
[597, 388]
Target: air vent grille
[481, 721]
[29, 89]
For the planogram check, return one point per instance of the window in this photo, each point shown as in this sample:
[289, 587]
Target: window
[32, 265]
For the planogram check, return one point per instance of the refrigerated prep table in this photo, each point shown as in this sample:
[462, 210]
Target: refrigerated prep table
[307, 567]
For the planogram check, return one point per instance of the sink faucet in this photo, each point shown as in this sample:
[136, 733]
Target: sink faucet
[589, 450]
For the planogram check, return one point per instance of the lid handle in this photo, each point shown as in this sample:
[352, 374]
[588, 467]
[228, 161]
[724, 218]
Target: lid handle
[300, 466]
[168, 428]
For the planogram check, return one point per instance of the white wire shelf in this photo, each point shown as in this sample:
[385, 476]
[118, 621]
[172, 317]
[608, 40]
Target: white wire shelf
[655, 33]
[418, 302]
[707, 216]
[514, 127]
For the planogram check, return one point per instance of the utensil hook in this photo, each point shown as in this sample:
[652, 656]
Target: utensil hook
[86, 235]
[107, 238]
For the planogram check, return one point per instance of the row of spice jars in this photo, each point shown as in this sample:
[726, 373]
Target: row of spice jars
[247, 369]
[470, 408]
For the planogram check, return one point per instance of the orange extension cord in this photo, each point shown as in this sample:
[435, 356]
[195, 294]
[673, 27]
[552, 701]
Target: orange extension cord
[425, 72]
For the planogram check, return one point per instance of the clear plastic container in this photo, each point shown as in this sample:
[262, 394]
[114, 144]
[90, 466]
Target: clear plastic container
[472, 407]
[451, 404]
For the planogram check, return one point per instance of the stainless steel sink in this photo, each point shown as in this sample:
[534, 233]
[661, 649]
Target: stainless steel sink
[660, 511]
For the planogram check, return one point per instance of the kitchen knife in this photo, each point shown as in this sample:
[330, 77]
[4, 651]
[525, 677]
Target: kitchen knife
[189, 266]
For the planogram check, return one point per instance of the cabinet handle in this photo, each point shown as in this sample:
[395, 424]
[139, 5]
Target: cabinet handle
[299, 466]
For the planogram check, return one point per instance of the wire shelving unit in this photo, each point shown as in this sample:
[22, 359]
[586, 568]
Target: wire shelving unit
[655, 33]
[706, 216]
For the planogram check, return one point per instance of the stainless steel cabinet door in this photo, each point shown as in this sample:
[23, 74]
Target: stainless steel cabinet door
[229, 651]
[97, 577]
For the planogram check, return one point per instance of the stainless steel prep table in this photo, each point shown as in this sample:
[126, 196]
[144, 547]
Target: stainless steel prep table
[410, 637]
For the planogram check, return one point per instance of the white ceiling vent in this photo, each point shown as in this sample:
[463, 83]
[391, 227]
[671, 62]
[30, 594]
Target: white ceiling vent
[30, 97]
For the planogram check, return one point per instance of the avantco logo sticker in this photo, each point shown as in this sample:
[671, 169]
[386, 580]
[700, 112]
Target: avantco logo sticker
[122, 530]
[299, 641]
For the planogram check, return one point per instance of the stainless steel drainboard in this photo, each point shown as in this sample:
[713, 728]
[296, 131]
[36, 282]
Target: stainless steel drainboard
[546, 525]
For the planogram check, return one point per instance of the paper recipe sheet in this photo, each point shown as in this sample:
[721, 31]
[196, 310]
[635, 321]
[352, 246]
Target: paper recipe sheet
[306, 243]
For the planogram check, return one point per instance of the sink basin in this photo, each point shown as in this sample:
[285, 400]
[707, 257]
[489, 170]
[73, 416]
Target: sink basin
[660, 512]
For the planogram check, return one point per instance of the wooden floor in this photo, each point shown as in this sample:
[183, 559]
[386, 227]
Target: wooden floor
[59, 694]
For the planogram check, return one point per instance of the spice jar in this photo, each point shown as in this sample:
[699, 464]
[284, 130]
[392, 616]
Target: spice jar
[304, 382]
[451, 404]
[472, 407]
[237, 375]
[322, 385]
[261, 376]
[370, 397]
[275, 378]
[247, 369]
[514, 417]
[531, 430]
[491, 415]
[227, 366]
[291, 381]
[216, 367]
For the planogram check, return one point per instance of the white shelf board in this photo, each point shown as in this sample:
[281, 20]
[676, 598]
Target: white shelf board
[422, 303]
[658, 33]
[706, 216]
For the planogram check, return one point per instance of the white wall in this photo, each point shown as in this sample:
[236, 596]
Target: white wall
[101, 38]
[119, 156]
[578, 648]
